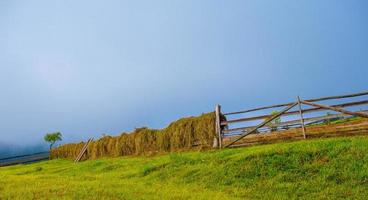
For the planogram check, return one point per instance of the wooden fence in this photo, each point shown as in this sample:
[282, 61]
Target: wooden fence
[22, 159]
[233, 129]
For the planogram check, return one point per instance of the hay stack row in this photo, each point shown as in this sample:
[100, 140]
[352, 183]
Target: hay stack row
[184, 134]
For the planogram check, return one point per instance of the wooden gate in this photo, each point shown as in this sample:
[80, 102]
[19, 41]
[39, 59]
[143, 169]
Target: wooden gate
[231, 130]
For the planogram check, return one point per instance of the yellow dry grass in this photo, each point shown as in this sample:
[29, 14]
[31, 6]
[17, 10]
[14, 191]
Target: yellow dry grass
[186, 133]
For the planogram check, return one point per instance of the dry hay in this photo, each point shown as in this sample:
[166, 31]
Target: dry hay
[186, 133]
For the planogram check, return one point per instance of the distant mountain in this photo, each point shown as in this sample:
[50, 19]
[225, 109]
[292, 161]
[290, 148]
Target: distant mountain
[8, 150]
[5, 149]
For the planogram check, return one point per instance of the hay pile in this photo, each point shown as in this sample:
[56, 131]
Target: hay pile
[184, 134]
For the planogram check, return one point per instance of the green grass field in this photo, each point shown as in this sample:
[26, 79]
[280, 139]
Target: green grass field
[335, 168]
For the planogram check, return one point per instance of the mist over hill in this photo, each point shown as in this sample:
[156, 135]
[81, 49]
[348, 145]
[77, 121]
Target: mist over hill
[7, 150]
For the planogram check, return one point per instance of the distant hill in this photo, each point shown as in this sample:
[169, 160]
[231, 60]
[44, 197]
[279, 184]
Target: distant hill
[7, 150]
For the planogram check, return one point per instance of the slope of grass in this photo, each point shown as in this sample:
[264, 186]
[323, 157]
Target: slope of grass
[335, 168]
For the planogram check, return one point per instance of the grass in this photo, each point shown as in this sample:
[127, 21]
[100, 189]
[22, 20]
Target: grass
[335, 168]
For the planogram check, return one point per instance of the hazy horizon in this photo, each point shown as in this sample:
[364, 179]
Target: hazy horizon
[89, 68]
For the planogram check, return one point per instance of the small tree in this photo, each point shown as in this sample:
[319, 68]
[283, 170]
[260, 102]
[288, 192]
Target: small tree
[273, 124]
[52, 138]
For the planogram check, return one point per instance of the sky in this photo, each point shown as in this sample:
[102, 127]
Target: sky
[87, 68]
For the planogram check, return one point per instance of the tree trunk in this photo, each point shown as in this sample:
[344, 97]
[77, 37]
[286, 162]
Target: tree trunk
[52, 144]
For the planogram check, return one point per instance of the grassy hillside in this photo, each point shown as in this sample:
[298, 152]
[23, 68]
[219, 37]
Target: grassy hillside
[335, 168]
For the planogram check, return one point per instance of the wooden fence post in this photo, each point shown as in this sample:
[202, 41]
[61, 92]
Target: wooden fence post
[218, 126]
[301, 118]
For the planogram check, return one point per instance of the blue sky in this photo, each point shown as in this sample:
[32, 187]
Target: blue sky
[90, 67]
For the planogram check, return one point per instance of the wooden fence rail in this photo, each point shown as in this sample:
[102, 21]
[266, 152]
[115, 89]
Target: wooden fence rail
[310, 110]
[268, 121]
[293, 122]
[310, 100]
